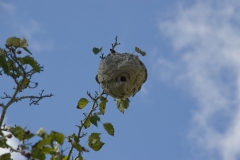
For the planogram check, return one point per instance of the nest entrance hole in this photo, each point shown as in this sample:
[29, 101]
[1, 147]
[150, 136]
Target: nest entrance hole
[123, 79]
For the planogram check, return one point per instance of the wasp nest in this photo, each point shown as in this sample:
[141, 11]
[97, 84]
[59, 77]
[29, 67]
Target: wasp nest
[121, 75]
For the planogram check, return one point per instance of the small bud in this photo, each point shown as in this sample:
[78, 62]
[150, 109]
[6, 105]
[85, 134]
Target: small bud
[27, 132]
[27, 154]
[69, 140]
[19, 52]
[9, 136]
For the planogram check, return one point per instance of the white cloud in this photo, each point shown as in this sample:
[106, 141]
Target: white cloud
[206, 38]
[13, 142]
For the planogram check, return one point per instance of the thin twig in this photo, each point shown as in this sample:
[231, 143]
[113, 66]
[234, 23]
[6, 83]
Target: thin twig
[114, 45]
[33, 99]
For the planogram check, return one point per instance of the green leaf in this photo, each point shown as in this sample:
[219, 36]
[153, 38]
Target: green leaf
[76, 139]
[82, 103]
[103, 98]
[27, 50]
[58, 137]
[3, 64]
[12, 65]
[94, 141]
[77, 146]
[96, 50]
[122, 104]
[13, 41]
[6, 156]
[18, 132]
[85, 149]
[2, 138]
[3, 142]
[41, 133]
[93, 136]
[47, 150]
[23, 42]
[28, 136]
[79, 158]
[38, 154]
[23, 84]
[109, 128]
[57, 148]
[56, 156]
[65, 158]
[87, 123]
[97, 146]
[30, 60]
[102, 106]
[140, 51]
[94, 119]
[43, 142]
[3, 52]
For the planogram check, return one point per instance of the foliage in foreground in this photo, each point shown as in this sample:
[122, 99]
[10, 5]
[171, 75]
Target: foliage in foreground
[21, 68]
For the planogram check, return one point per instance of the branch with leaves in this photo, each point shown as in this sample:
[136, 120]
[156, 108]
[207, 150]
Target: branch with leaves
[21, 69]
[92, 117]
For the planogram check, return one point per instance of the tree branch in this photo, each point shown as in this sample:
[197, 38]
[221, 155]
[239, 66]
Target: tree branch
[6, 107]
[33, 99]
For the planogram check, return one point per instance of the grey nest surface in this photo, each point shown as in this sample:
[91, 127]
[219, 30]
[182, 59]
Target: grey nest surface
[121, 75]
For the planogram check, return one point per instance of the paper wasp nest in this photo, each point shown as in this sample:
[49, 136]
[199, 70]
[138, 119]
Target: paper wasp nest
[121, 75]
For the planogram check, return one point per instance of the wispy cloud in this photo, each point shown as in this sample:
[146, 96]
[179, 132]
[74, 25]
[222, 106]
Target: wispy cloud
[6, 7]
[206, 36]
[31, 29]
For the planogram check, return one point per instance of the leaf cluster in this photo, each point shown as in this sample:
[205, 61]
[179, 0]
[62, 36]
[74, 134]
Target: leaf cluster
[20, 68]
[35, 151]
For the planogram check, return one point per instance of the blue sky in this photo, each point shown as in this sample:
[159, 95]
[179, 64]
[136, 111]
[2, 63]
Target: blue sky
[189, 108]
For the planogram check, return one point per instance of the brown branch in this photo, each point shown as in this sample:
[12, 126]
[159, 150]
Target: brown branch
[5, 107]
[33, 99]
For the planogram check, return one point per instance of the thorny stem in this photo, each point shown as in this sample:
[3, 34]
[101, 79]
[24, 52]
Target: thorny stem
[82, 123]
